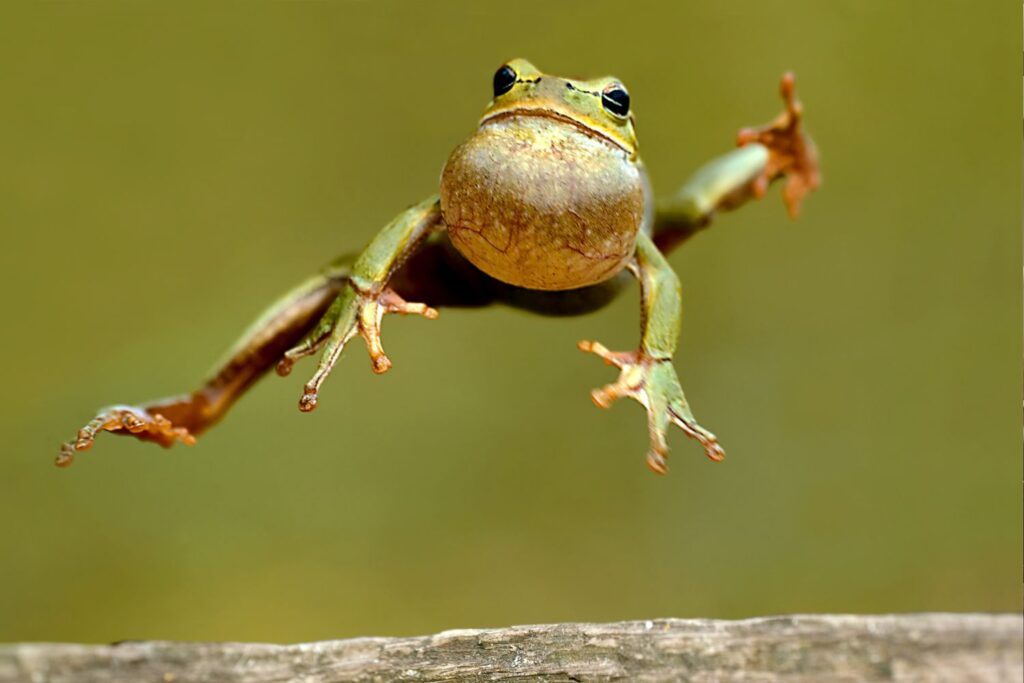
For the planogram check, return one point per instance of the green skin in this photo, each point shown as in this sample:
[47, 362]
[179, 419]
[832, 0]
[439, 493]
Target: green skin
[421, 256]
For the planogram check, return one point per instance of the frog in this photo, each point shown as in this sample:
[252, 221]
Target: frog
[546, 207]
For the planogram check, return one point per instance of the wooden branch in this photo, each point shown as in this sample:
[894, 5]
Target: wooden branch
[913, 647]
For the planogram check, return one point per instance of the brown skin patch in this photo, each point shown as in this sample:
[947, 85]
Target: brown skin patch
[537, 202]
[792, 153]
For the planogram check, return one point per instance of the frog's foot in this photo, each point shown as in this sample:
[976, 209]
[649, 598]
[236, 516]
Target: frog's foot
[653, 383]
[138, 422]
[791, 152]
[354, 312]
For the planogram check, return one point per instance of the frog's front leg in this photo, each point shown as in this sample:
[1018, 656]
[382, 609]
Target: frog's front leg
[779, 150]
[647, 374]
[365, 300]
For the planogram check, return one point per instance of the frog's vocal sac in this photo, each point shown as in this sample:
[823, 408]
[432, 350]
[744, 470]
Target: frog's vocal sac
[546, 207]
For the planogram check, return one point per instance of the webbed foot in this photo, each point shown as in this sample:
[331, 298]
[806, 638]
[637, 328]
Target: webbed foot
[653, 383]
[353, 312]
[141, 423]
[791, 152]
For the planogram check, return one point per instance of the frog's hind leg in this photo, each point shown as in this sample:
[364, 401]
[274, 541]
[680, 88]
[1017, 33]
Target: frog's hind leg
[181, 418]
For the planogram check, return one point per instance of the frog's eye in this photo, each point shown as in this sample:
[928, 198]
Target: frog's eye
[615, 100]
[504, 79]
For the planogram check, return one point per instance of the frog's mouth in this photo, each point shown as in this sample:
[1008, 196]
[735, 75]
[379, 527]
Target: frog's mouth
[544, 112]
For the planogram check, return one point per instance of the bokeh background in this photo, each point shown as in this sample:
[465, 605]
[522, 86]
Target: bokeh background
[167, 170]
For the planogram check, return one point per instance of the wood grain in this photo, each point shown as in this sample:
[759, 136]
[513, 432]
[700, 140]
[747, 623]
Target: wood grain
[912, 647]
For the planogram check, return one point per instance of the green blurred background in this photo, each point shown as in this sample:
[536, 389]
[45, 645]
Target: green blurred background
[169, 169]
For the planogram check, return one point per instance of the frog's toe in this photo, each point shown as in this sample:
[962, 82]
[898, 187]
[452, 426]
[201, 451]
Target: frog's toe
[371, 314]
[128, 420]
[619, 359]
[307, 347]
[681, 417]
[631, 376]
[657, 461]
[608, 394]
[661, 415]
[657, 455]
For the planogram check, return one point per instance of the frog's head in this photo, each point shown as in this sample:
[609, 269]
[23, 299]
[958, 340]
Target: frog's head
[599, 107]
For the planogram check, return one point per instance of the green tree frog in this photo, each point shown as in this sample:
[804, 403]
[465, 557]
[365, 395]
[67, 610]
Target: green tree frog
[545, 207]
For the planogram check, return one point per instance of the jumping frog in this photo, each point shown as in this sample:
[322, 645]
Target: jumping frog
[545, 207]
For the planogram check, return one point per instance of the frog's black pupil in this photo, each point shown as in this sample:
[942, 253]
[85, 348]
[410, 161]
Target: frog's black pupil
[616, 100]
[504, 79]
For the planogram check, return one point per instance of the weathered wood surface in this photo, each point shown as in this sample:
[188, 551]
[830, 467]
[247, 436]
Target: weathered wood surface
[913, 647]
